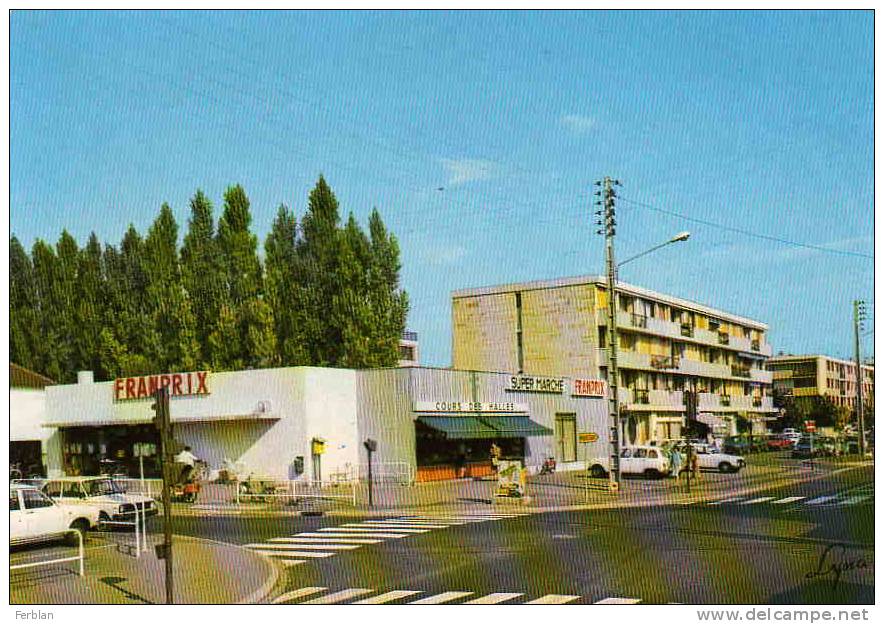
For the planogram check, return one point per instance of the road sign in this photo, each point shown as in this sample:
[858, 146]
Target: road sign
[810, 425]
[586, 438]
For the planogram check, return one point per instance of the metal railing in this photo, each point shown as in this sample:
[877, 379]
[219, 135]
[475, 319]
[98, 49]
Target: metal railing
[402, 473]
[292, 491]
[640, 396]
[81, 553]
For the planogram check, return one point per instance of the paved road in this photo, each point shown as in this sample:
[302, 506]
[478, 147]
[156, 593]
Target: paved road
[757, 549]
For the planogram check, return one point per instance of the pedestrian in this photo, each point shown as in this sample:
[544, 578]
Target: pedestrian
[189, 460]
[675, 459]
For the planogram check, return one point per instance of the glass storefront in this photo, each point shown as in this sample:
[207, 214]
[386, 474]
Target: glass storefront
[112, 450]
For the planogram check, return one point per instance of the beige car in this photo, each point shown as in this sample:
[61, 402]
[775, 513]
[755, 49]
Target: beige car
[103, 494]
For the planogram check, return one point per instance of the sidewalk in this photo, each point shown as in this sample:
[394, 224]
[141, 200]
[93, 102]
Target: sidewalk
[115, 577]
[556, 492]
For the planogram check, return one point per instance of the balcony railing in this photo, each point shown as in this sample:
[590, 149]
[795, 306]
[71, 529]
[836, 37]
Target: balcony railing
[725, 400]
[665, 361]
[639, 320]
[724, 338]
[640, 396]
[756, 401]
[740, 371]
[756, 345]
[687, 330]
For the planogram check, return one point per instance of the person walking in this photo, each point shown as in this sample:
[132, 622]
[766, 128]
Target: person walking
[694, 463]
[676, 461]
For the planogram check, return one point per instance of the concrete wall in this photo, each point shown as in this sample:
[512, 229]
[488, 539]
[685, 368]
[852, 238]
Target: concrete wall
[27, 411]
[384, 415]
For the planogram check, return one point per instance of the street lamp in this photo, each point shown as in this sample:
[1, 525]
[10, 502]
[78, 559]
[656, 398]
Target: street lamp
[681, 236]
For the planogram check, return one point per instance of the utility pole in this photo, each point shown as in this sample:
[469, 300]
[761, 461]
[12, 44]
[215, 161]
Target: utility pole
[164, 425]
[859, 316]
[608, 224]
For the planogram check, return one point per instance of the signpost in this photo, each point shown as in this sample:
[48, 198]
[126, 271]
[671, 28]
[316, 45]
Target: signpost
[163, 423]
[586, 438]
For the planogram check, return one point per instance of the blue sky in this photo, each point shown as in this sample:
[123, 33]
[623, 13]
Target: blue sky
[757, 121]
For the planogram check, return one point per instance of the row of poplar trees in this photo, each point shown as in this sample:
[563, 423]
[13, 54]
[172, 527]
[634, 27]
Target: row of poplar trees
[326, 294]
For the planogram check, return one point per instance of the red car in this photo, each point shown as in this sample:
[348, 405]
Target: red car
[779, 443]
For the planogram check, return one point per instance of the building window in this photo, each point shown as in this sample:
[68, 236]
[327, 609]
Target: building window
[406, 353]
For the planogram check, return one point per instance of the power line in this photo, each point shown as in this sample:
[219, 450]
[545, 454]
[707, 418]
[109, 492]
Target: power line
[746, 232]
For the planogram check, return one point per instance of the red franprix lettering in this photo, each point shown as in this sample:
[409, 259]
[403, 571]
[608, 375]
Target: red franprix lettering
[179, 384]
[202, 388]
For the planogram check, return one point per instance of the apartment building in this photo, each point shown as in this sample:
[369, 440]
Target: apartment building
[678, 360]
[409, 353]
[821, 375]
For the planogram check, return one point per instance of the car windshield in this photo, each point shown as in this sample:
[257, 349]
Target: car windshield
[102, 487]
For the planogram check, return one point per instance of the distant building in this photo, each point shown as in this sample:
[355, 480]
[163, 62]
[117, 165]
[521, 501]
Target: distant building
[681, 363]
[821, 375]
[27, 408]
[409, 354]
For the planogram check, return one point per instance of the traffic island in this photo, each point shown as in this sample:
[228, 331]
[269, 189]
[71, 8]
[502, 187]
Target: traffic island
[115, 577]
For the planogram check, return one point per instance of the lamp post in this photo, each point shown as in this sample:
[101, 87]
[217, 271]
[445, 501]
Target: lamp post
[607, 222]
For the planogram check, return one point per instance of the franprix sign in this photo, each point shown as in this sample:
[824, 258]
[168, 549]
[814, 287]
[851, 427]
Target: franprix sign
[179, 384]
[589, 388]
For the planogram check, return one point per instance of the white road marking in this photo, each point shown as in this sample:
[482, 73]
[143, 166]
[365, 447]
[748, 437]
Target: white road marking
[757, 500]
[619, 601]
[351, 533]
[322, 538]
[298, 593]
[443, 597]
[404, 525]
[853, 500]
[553, 599]
[820, 500]
[788, 499]
[369, 529]
[265, 550]
[281, 556]
[495, 598]
[727, 500]
[336, 597]
[388, 597]
[306, 546]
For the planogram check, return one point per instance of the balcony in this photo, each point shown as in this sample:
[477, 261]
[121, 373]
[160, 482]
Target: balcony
[663, 362]
[740, 370]
[724, 400]
[687, 330]
[648, 400]
[755, 345]
[640, 396]
[639, 320]
[756, 401]
[724, 338]
[760, 375]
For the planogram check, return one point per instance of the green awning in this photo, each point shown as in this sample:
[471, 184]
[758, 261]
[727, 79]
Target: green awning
[484, 428]
[516, 426]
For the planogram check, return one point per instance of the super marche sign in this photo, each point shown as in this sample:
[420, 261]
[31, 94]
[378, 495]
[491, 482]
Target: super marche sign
[525, 383]
[179, 384]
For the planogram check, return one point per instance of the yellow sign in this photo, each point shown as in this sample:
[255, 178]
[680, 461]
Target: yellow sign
[318, 446]
[613, 486]
[586, 438]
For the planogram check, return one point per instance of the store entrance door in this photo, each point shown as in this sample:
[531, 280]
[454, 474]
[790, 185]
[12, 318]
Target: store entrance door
[566, 437]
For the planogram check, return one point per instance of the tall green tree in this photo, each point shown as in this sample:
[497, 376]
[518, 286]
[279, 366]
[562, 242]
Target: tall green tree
[389, 300]
[280, 285]
[318, 270]
[89, 308]
[172, 343]
[52, 361]
[202, 273]
[26, 345]
[352, 308]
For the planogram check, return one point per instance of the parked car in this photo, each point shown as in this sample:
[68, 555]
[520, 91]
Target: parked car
[650, 461]
[828, 446]
[779, 442]
[34, 517]
[737, 445]
[709, 458]
[806, 448]
[103, 494]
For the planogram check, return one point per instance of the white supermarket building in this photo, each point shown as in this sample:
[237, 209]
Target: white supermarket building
[311, 423]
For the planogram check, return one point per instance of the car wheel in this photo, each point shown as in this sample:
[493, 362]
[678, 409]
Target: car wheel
[597, 472]
[102, 519]
[725, 467]
[82, 526]
[650, 473]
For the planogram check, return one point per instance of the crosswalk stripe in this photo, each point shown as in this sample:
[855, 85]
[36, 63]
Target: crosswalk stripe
[290, 562]
[322, 539]
[820, 500]
[298, 593]
[852, 500]
[351, 533]
[619, 601]
[369, 529]
[294, 553]
[336, 597]
[443, 597]
[281, 556]
[495, 598]
[405, 525]
[788, 499]
[727, 500]
[390, 596]
[757, 500]
[553, 599]
[304, 546]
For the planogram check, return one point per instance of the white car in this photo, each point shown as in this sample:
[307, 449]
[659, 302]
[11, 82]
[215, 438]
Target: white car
[650, 461]
[712, 459]
[107, 497]
[34, 517]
